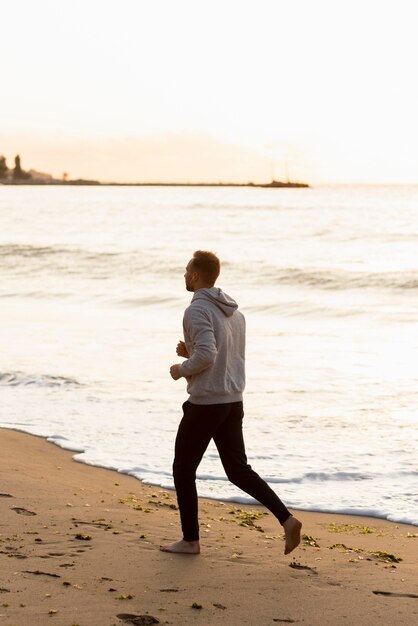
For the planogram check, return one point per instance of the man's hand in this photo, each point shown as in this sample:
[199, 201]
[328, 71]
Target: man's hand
[175, 371]
[181, 350]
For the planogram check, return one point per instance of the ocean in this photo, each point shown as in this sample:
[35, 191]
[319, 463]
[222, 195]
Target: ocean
[91, 303]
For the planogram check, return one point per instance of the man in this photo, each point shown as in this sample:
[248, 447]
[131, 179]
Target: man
[214, 349]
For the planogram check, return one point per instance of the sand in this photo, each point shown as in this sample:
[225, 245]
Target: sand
[80, 545]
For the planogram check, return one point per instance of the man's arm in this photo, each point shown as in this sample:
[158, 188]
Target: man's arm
[200, 330]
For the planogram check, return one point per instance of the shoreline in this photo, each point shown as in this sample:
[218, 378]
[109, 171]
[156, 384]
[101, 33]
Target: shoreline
[243, 500]
[80, 545]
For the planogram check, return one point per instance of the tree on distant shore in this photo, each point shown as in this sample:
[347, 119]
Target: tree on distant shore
[18, 173]
[3, 167]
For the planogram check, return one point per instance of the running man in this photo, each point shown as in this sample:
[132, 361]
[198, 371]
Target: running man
[214, 349]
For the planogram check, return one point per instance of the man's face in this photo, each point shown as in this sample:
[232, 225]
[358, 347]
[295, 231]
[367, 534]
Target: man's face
[190, 276]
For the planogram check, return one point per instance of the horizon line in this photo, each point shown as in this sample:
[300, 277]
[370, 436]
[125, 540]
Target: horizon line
[56, 182]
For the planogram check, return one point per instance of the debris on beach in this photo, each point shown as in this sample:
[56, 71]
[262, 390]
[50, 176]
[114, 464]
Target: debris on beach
[346, 549]
[387, 557]
[83, 537]
[308, 540]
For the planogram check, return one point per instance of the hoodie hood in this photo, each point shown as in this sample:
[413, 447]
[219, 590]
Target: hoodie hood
[215, 295]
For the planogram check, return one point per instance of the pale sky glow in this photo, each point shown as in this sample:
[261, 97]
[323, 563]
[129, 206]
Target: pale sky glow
[198, 90]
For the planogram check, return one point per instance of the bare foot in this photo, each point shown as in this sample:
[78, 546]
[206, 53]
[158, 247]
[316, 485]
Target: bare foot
[292, 528]
[182, 547]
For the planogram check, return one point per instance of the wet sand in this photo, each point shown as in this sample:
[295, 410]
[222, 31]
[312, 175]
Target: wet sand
[80, 546]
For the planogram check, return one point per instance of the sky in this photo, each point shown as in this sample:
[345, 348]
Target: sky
[195, 90]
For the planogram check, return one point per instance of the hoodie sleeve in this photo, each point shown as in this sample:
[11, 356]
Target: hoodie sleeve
[198, 328]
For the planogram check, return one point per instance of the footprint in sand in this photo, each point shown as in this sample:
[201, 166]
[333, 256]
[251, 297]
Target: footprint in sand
[138, 620]
[394, 594]
[11, 551]
[295, 565]
[39, 573]
[51, 554]
[17, 509]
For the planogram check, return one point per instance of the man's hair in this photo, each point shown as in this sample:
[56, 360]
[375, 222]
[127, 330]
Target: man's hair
[207, 264]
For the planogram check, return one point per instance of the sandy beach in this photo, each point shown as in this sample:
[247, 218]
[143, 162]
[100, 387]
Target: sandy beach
[80, 546]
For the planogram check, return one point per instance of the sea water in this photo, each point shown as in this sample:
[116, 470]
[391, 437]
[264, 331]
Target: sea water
[91, 303]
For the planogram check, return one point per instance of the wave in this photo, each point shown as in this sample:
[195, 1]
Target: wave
[306, 308]
[314, 477]
[151, 300]
[19, 379]
[343, 279]
[36, 295]
[306, 478]
[21, 259]
[32, 251]
[23, 250]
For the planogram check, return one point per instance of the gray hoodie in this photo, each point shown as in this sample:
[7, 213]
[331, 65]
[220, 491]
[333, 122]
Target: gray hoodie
[214, 334]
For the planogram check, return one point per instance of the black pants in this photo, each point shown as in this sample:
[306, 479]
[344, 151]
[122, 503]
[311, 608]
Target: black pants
[223, 423]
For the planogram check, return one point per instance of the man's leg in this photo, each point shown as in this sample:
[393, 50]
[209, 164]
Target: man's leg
[194, 434]
[230, 443]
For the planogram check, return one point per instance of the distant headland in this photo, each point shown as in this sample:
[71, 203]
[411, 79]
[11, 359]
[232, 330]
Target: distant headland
[19, 176]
